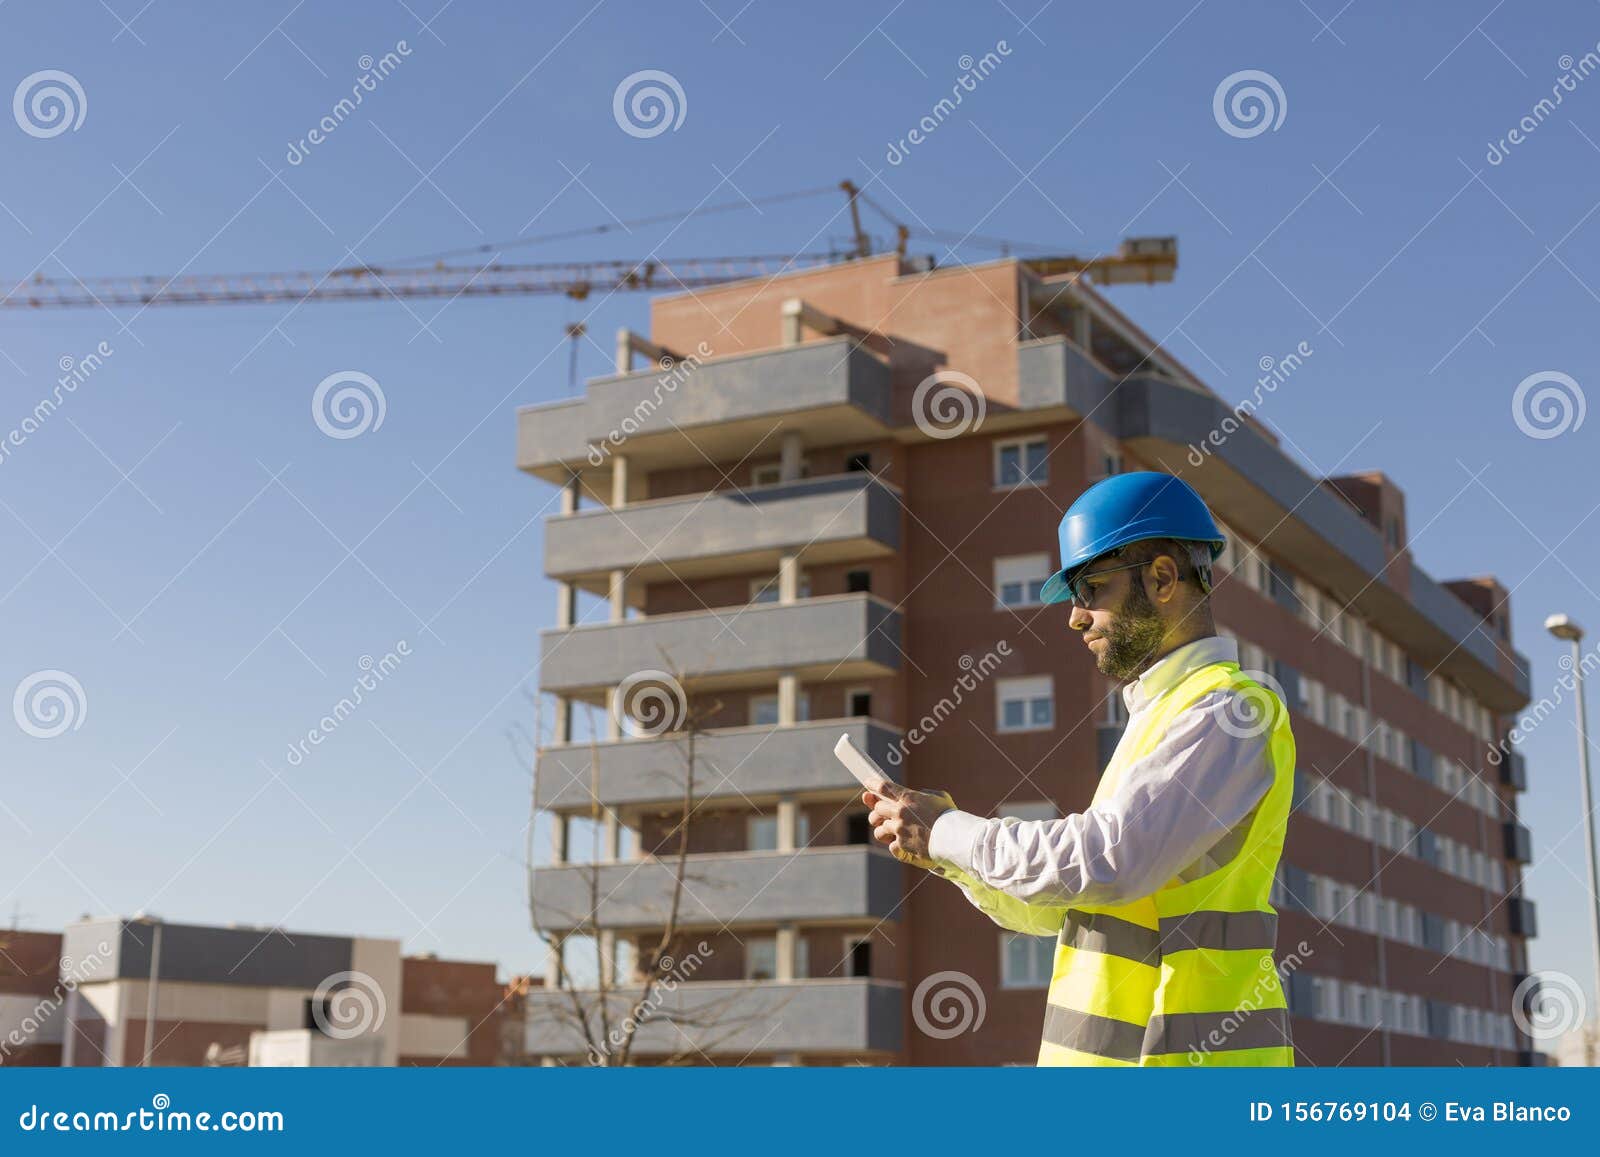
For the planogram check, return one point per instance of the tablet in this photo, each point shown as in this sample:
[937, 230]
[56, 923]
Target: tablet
[867, 772]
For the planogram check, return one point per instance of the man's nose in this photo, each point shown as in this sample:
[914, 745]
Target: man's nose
[1080, 619]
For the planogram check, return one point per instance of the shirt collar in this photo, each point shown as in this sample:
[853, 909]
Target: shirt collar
[1172, 667]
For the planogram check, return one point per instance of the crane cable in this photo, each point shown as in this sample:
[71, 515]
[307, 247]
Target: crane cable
[612, 226]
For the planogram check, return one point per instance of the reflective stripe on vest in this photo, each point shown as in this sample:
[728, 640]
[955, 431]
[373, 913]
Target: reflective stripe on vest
[1193, 1032]
[1221, 931]
[1185, 975]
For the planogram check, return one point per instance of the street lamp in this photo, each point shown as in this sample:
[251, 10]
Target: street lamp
[1562, 627]
[153, 922]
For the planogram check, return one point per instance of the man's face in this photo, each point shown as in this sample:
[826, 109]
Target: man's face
[1120, 625]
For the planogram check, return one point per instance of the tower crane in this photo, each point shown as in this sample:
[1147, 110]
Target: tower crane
[1147, 260]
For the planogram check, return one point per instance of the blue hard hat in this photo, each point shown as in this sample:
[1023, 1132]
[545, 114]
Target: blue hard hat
[1127, 508]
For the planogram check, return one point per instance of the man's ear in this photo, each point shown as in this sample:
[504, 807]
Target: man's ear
[1165, 572]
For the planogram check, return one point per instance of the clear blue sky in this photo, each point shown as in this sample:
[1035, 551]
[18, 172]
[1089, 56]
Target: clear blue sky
[179, 533]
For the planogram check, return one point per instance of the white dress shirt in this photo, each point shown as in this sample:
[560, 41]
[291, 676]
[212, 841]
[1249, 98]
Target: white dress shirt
[1179, 811]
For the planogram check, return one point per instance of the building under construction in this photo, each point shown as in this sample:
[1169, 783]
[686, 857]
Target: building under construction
[826, 505]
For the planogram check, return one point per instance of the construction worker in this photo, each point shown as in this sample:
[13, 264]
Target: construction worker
[1157, 893]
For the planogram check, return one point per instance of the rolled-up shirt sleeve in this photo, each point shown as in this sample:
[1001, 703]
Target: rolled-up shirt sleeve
[1171, 807]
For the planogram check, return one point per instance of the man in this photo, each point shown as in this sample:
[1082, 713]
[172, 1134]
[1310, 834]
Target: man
[1158, 892]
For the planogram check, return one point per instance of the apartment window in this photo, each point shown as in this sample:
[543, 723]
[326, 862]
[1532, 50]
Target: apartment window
[1116, 710]
[859, 462]
[858, 582]
[1026, 704]
[857, 829]
[765, 590]
[858, 702]
[1314, 700]
[770, 473]
[761, 834]
[1110, 462]
[857, 956]
[802, 957]
[761, 958]
[1026, 961]
[764, 709]
[1021, 462]
[1019, 579]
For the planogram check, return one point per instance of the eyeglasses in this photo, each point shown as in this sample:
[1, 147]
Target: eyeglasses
[1083, 590]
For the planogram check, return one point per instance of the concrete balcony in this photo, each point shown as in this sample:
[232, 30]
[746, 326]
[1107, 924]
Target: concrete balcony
[732, 1020]
[836, 519]
[844, 882]
[836, 637]
[828, 391]
[749, 763]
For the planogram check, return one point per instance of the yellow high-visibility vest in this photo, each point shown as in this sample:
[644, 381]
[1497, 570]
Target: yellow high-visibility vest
[1186, 975]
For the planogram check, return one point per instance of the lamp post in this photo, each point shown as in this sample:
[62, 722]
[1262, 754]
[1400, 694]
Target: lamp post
[1562, 627]
[153, 922]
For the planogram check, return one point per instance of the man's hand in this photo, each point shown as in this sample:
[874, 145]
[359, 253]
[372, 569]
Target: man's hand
[904, 820]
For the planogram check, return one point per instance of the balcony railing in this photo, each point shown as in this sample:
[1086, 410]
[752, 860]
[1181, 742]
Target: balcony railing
[836, 637]
[843, 882]
[753, 763]
[705, 1021]
[838, 518]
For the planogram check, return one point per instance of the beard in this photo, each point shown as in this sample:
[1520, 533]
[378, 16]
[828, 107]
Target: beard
[1133, 638]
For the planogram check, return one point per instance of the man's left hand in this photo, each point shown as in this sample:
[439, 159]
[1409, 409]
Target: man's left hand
[903, 822]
